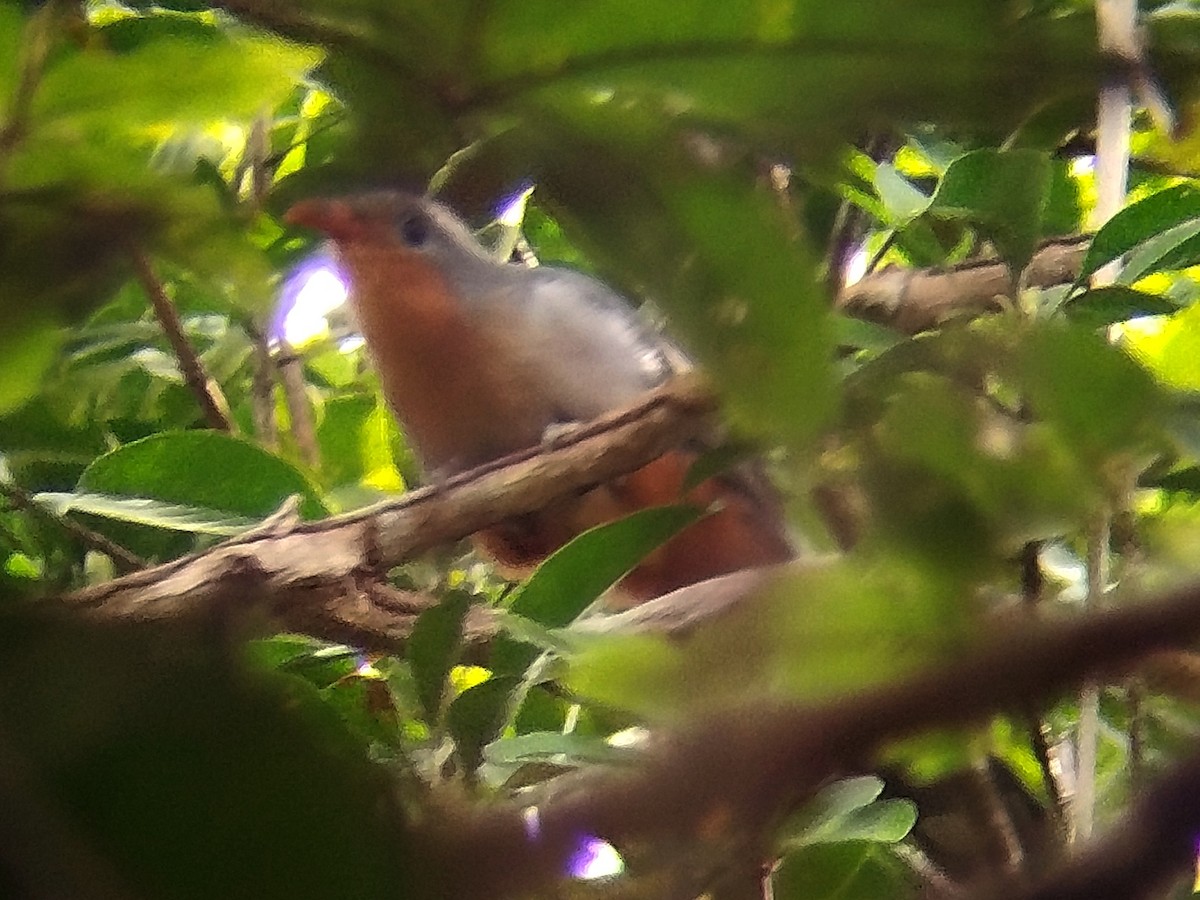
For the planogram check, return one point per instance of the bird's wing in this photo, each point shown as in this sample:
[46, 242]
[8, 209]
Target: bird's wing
[594, 352]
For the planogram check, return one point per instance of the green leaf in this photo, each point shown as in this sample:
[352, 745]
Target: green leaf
[222, 477]
[433, 648]
[902, 200]
[552, 746]
[851, 332]
[1171, 350]
[477, 715]
[204, 469]
[356, 436]
[1002, 192]
[1140, 222]
[214, 76]
[849, 810]
[29, 345]
[1115, 411]
[142, 511]
[1108, 305]
[853, 870]
[1175, 248]
[578, 573]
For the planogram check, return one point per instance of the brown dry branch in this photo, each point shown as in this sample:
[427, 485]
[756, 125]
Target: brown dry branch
[322, 572]
[913, 300]
[206, 391]
[738, 772]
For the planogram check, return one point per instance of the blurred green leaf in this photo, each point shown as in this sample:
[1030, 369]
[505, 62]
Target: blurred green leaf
[1112, 415]
[853, 870]
[1172, 351]
[571, 749]
[128, 730]
[815, 632]
[1003, 193]
[215, 75]
[477, 715]
[432, 649]
[850, 810]
[902, 200]
[29, 345]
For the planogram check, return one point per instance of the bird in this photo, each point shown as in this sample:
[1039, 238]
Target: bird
[480, 358]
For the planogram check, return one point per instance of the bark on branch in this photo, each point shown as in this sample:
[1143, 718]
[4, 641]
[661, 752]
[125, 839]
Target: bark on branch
[326, 569]
[913, 300]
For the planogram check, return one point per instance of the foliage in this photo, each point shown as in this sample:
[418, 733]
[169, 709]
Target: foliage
[708, 158]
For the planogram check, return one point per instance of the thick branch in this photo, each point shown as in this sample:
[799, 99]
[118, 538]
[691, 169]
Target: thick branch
[745, 768]
[913, 300]
[317, 563]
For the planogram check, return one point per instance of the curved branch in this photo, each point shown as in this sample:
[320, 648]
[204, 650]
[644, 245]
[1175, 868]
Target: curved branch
[285, 563]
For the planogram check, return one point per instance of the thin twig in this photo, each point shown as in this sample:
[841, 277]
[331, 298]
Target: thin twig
[1033, 584]
[1083, 803]
[304, 431]
[37, 41]
[204, 389]
[262, 393]
[125, 560]
[1117, 26]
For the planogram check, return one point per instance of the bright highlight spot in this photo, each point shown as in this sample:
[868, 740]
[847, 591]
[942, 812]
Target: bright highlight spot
[856, 267]
[315, 289]
[1083, 165]
[532, 822]
[629, 738]
[366, 668]
[594, 859]
[511, 212]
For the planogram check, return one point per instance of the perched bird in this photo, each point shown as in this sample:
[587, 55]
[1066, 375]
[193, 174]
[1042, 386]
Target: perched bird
[479, 358]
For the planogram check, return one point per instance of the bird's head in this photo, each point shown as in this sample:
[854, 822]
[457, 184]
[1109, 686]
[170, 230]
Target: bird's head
[413, 226]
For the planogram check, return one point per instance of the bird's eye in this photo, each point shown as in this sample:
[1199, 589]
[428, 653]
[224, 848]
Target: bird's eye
[414, 230]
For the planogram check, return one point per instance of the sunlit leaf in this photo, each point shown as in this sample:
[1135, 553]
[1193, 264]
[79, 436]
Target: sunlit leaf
[144, 511]
[1140, 222]
[1108, 305]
